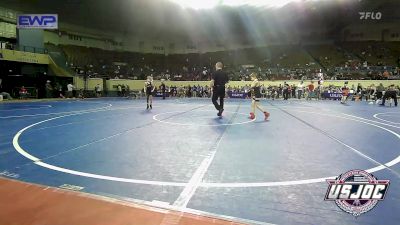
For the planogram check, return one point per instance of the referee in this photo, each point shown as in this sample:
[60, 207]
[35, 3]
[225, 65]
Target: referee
[218, 81]
[390, 93]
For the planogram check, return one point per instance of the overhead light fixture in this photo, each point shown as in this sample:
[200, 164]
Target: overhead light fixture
[207, 4]
[15, 75]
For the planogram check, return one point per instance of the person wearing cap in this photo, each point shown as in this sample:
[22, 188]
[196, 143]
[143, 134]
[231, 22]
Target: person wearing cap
[218, 81]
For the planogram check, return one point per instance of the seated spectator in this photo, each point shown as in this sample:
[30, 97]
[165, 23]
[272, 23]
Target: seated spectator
[385, 75]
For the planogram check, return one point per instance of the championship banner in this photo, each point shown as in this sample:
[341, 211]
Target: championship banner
[335, 96]
[237, 94]
[159, 94]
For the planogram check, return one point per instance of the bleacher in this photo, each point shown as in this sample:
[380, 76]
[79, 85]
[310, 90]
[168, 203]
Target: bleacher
[273, 62]
[375, 53]
[328, 55]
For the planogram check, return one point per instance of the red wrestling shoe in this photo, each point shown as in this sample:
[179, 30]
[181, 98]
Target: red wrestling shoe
[252, 116]
[266, 114]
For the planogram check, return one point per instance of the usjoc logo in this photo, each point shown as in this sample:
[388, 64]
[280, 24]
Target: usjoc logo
[356, 191]
[39, 21]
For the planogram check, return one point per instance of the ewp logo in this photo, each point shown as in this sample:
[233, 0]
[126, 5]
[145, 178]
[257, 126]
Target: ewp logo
[38, 21]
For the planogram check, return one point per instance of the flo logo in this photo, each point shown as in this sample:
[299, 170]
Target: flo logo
[370, 15]
[356, 191]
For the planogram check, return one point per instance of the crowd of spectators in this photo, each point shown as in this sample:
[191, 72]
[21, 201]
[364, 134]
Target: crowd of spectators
[302, 90]
[281, 64]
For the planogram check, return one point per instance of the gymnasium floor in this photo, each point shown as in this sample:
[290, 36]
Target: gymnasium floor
[181, 156]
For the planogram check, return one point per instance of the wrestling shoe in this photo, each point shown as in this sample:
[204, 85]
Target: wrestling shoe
[266, 114]
[220, 112]
[252, 116]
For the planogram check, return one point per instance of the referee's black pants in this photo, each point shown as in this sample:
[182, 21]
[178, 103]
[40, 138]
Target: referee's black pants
[218, 92]
[390, 94]
[285, 94]
[378, 94]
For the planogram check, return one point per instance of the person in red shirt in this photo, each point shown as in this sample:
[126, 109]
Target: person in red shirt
[23, 92]
[310, 90]
[386, 75]
[345, 93]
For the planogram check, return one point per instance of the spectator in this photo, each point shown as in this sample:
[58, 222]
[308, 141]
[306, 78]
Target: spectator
[163, 89]
[300, 89]
[293, 88]
[23, 93]
[49, 89]
[372, 91]
[98, 90]
[285, 91]
[194, 91]
[379, 91]
[386, 75]
[59, 90]
[310, 90]
[318, 90]
[119, 88]
[123, 90]
[360, 91]
[70, 89]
